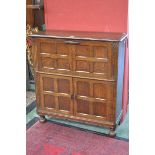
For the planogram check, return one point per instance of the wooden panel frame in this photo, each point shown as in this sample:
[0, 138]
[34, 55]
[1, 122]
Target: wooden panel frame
[55, 57]
[55, 93]
[110, 100]
[91, 59]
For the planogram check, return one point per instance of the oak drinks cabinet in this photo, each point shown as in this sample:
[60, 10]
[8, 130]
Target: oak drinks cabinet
[79, 76]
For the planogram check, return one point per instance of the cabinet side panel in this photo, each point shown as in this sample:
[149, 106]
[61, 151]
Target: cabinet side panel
[121, 54]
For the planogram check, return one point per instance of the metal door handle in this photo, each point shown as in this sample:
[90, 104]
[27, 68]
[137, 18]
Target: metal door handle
[71, 42]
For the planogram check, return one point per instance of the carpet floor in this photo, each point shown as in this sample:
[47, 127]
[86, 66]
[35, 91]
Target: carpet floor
[53, 139]
[122, 131]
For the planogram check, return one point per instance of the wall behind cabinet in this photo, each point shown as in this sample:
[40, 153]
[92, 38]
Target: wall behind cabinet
[86, 15]
[90, 15]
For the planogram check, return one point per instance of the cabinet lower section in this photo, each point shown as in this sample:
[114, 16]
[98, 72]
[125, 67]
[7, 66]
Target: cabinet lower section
[78, 99]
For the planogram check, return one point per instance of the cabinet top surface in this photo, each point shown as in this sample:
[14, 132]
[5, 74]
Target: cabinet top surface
[102, 36]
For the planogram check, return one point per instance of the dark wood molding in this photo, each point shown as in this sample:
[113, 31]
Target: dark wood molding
[34, 6]
[81, 35]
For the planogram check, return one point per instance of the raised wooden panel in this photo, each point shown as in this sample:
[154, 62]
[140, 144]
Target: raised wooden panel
[83, 51]
[48, 48]
[82, 88]
[82, 106]
[100, 68]
[64, 86]
[100, 52]
[48, 84]
[57, 93]
[49, 101]
[93, 99]
[100, 109]
[63, 64]
[64, 103]
[63, 49]
[82, 66]
[47, 62]
[100, 90]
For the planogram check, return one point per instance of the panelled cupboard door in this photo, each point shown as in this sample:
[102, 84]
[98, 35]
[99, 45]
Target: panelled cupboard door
[54, 56]
[56, 94]
[92, 58]
[76, 58]
[94, 99]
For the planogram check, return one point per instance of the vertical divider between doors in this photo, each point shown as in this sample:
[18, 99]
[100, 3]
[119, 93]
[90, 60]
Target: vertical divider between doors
[74, 96]
[71, 96]
[90, 82]
[91, 95]
[56, 90]
[73, 61]
[91, 63]
[56, 60]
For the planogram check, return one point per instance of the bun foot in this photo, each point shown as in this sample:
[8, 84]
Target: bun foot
[42, 119]
[112, 133]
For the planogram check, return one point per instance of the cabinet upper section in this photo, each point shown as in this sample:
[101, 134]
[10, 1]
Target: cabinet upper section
[79, 54]
[96, 36]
